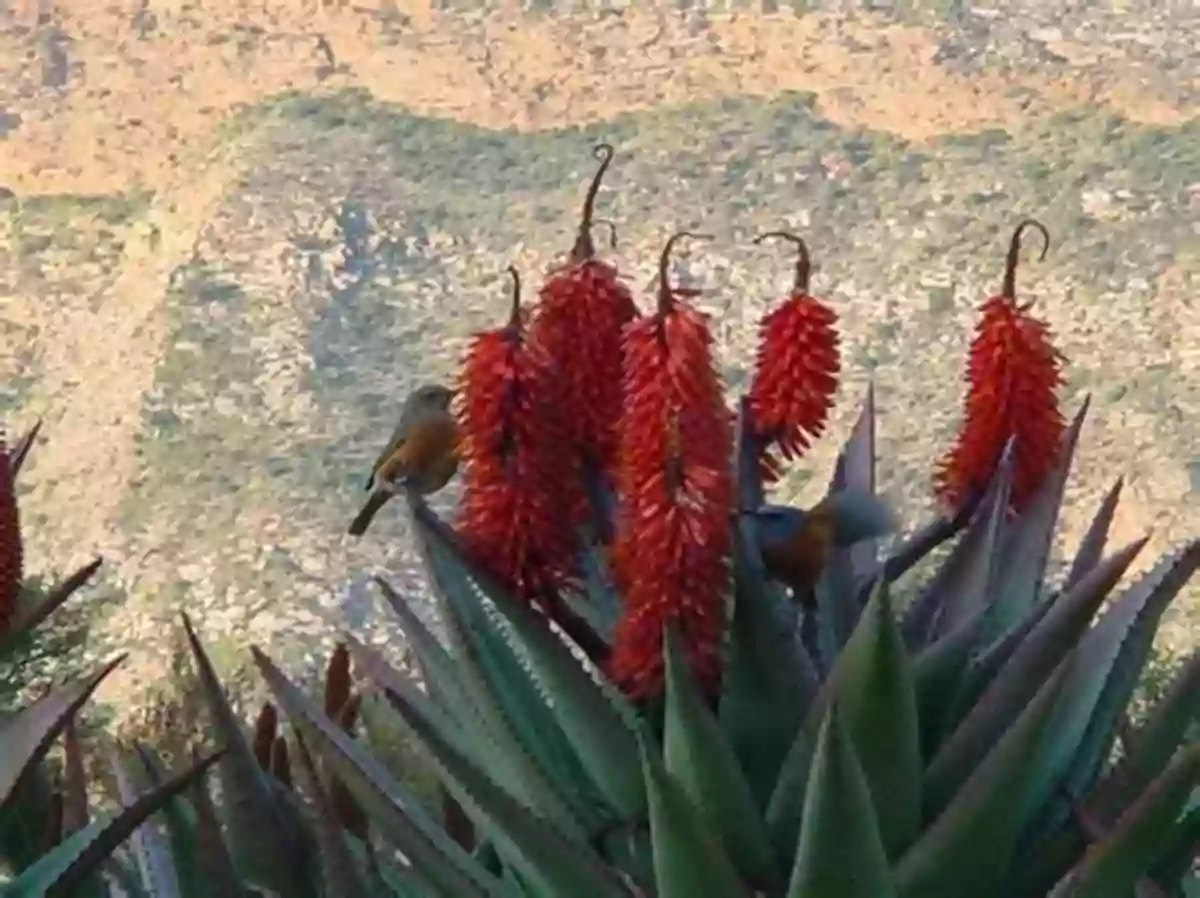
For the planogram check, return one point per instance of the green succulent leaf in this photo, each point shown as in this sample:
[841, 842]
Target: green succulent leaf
[878, 700]
[266, 839]
[1111, 868]
[689, 860]
[29, 619]
[551, 861]
[1177, 859]
[1041, 652]
[963, 584]
[60, 872]
[937, 677]
[594, 719]
[698, 755]
[1152, 746]
[858, 659]
[769, 680]
[1091, 547]
[967, 848]
[841, 851]
[220, 879]
[1025, 550]
[850, 565]
[339, 872]
[402, 820]
[28, 735]
[149, 847]
[1107, 668]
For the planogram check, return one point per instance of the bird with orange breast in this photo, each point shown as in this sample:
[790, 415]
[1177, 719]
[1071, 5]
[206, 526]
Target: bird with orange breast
[798, 543]
[421, 456]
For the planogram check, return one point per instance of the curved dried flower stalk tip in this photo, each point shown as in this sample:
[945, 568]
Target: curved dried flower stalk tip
[514, 315]
[803, 260]
[585, 248]
[667, 293]
[1009, 288]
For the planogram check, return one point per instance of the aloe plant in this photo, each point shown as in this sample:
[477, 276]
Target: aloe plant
[962, 744]
[49, 846]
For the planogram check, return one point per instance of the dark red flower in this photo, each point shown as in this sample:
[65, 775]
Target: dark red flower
[578, 322]
[513, 517]
[11, 551]
[675, 500]
[1013, 376]
[796, 375]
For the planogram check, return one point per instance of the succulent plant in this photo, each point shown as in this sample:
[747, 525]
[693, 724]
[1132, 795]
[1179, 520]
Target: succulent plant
[651, 715]
[49, 846]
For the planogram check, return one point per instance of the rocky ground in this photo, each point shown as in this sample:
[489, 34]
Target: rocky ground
[235, 236]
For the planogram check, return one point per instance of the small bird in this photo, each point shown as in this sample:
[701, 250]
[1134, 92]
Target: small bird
[797, 544]
[422, 454]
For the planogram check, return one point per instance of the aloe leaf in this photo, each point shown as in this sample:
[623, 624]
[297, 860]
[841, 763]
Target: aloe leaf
[400, 693]
[81, 854]
[967, 849]
[689, 860]
[786, 807]
[962, 584]
[1107, 667]
[1112, 867]
[1152, 745]
[769, 681]
[937, 675]
[1091, 547]
[442, 675]
[698, 755]
[555, 708]
[552, 862]
[220, 877]
[879, 705]
[147, 842]
[840, 851]
[847, 566]
[30, 618]
[596, 720]
[403, 821]
[74, 781]
[1041, 652]
[341, 875]
[988, 661]
[1177, 858]
[1025, 550]
[28, 735]
[266, 839]
[748, 453]
[20, 450]
[179, 818]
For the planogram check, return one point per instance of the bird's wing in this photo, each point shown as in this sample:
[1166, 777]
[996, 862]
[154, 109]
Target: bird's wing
[779, 523]
[393, 446]
[857, 515]
[423, 450]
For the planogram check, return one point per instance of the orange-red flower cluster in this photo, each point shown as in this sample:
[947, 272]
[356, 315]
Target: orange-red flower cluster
[675, 499]
[797, 369]
[513, 517]
[578, 323]
[11, 552]
[1013, 376]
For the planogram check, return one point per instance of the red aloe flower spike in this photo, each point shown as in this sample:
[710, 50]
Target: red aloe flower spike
[11, 550]
[582, 311]
[675, 494]
[513, 519]
[1013, 374]
[796, 375]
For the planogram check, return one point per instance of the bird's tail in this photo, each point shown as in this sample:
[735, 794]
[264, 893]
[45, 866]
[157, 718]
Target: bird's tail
[363, 520]
[856, 515]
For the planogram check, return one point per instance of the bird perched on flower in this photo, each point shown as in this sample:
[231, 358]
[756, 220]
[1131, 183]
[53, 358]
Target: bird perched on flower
[797, 543]
[422, 454]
